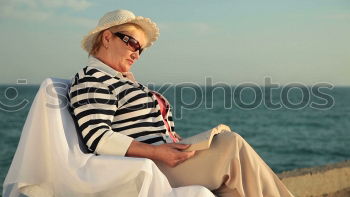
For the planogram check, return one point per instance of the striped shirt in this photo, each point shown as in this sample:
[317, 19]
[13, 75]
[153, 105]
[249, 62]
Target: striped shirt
[112, 110]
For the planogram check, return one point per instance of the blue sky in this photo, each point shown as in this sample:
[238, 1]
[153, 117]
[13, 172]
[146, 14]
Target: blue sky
[232, 41]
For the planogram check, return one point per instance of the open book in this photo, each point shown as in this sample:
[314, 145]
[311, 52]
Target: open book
[203, 140]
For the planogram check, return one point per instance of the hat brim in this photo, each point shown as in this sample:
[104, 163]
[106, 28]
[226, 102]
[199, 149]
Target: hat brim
[150, 28]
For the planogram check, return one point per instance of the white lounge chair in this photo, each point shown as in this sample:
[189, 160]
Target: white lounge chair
[49, 160]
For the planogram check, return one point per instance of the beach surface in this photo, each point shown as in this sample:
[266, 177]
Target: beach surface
[323, 181]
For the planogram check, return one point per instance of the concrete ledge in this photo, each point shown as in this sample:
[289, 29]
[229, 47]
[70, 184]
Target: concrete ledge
[323, 181]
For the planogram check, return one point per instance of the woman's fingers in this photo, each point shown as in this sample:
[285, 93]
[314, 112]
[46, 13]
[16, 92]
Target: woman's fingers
[186, 155]
[183, 156]
[189, 154]
[172, 154]
[180, 146]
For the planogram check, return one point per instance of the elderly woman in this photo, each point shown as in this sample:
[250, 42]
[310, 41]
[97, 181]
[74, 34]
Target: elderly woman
[116, 115]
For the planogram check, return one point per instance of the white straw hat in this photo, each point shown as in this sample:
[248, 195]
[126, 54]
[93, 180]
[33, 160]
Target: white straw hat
[119, 17]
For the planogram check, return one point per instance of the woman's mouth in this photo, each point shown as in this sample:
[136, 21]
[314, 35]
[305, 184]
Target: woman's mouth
[130, 61]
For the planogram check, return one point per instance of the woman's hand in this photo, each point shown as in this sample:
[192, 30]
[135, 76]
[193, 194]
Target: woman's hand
[172, 154]
[169, 154]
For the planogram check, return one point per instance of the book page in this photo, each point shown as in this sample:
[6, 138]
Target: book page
[204, 136]
[203, 140]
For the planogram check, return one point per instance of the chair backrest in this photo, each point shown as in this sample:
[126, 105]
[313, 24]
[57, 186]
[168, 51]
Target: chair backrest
[62, 88]
[58, 83]
[82, 144]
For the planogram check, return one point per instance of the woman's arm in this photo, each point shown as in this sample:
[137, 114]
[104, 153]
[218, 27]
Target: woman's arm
[170, 154]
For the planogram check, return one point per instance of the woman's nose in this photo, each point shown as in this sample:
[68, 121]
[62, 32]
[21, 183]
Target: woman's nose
[135, 55]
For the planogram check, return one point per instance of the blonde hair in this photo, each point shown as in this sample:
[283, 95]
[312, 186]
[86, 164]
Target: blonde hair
[128, 27]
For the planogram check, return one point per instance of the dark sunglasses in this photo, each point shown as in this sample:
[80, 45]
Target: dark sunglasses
[130, 41]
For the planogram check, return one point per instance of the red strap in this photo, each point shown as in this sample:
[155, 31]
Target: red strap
[163, 112]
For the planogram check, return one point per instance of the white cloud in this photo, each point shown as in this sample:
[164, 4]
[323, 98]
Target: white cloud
[79, 21]
[11, 11]
[338, 16]
[27, 3]
[74, 4]
[44, 4]
[45, 10]
[194, 27]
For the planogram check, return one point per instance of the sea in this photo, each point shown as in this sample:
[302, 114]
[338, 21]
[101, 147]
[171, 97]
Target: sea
[290, 127]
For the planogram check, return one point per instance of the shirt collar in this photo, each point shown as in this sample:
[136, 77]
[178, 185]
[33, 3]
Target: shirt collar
[96, 63]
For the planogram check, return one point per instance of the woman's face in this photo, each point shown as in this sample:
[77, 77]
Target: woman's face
[119, 55]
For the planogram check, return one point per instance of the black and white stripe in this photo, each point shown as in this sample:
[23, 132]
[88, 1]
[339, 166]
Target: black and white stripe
[102, 103]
